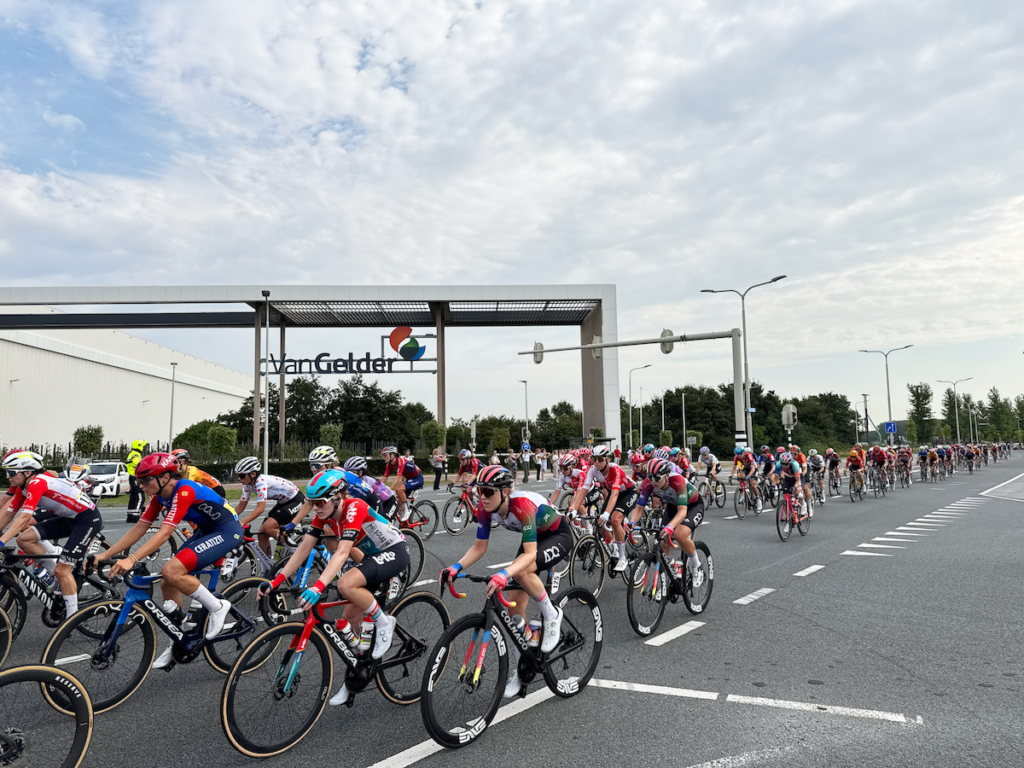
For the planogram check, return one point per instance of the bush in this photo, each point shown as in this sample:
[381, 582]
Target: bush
[500, 438]
[665, 437]
[221, 440]
[700, 440]
[597, 432]
[88, 440]
[330, 434]
[433, 435]
[195, 435]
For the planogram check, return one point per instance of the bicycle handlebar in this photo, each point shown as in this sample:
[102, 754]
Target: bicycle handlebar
[478, 579]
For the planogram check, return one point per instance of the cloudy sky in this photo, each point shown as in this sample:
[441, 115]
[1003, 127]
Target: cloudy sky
[871, 151]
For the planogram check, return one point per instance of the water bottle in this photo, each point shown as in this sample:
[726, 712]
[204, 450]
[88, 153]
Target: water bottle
[519, 623]
[345, 630]
[193, 608]
[535, 625]
[46, 577]
[365, 634]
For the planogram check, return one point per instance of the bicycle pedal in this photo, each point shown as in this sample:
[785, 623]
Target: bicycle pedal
[169, 667]
[351, 700]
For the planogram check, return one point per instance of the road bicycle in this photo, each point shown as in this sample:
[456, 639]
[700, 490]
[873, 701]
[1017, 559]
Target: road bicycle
[791, 512]
[712, 490]
[594, 557]
[856, 489]
[933, 473]
[817, 494]
[747, 497]
[903, 472]
[659, 581]
[468, 666]
[111, 646]
[278, 687]
[422, 518]
[835, 482]
[6, 636]
[35, 729]
[458, 511]
[878, 481]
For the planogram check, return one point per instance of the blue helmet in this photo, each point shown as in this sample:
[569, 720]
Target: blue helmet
[326, 484]
[737, 451]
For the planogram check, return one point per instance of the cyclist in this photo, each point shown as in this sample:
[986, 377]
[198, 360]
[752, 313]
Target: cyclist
[736, 453]
[800, 459]
[648, 451]
[791, 473]
[832, 461]
[678, 457]
[746, 463]
[570, 476]
[904, 456]
[941, 452]
[933, 460]
[879, 459]
[816, 466]
[767, 461]
[285, 493]
[622, 497]
[682, 511]
[50, 508]
[195, 474]
[469, 465]
[922, 460]
[709, 460]
[217, 533]
[384, 554]
[546, 540]
[638, 464]
[387, 501]
[408, 478]
[855, 465]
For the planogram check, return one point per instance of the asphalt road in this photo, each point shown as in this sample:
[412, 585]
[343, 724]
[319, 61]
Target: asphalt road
[902, 648]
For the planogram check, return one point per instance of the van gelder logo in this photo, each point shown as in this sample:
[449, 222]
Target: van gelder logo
[411, 350]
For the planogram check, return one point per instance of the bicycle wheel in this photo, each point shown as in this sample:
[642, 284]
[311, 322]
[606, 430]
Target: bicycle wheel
[425, 513]
[719, 494]
[268, 707]
[463, 682]
[562, 505]
[32, 731]
[13, 602]
[588, 564]
[696, 600]
[579, 645]
[645, 605]
[758, 501]
[6, 636]
[739, 503]
[704, 489]
[114, 680]
[415, 546]
[883, 485]
[422, 619]
[860, 488]
[803, 523]
[782, 520]
[246, 566]
[222, 654]
[167, 550]
[455, 516]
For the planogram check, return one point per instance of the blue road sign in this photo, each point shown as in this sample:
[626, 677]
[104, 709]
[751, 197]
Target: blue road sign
[890, 427]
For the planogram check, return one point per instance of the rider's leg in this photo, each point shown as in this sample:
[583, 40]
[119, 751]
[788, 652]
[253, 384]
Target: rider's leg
[269, 530]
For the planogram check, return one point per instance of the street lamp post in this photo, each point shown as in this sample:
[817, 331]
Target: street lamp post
[956, 404]
[641, 415]
[526, 403]
[746, 364]
[887, 394]
[630, 377]
[170, 436]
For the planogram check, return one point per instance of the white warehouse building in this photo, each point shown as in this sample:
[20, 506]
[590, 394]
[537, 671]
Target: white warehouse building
[54, 381]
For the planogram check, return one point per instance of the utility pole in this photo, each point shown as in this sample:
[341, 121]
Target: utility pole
[867, 423]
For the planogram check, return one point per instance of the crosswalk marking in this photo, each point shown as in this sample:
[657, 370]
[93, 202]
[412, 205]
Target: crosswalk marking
[808, 571]
[873, 554]
[672, 634]
[748, 599]
[881, 546]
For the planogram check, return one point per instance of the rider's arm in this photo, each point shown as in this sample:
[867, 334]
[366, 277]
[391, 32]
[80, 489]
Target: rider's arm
[304, 510]
[337, 560]
[260, 506]
[21, 522]
[131, 536]
[156, 541]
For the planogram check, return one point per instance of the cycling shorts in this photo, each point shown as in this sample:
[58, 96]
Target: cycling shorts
[767, 467]
[626, 502]
[694, 515]
[387, 507]
[379, 568]
[80, 530]
[205, 549]
[716, 469]
[414, 484]
[553, 546]
[285, 511]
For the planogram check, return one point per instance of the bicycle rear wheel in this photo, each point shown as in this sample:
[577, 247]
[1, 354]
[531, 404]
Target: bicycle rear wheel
[462, 686]
[574, 660]
[35, 732]
[645, 605]
[783, 522]
[424, 512]
[803, 523]
[696, 600]
[415, 546]
[13, 602]
[588, 564]
[422, 619]
[268, 707]
[6, 636]
[455, 516]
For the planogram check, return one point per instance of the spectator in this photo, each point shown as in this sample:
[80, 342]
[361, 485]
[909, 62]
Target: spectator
[618, 455]
[541, 460]
[495, 459]
[136, 497]
[439, 460]
[527, 454]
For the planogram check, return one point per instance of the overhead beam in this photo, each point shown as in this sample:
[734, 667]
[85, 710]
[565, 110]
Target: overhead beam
[28, 322]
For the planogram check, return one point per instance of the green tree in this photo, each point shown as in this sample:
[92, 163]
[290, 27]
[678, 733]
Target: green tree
[921, 407]
[500, 437]
[330, 434]
[305, 402]
[195, 435]
[241, 420]
[433, 435]
[88, 440]
[911, 431]
[665, 437]
[635, 438]
[698, 441]
[597, 432]
[221, 440]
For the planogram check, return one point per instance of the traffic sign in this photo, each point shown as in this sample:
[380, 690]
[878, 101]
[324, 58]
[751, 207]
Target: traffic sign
[890, 427]
[691, 441]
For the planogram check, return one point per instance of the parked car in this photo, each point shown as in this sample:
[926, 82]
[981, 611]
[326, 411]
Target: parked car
[108, 478]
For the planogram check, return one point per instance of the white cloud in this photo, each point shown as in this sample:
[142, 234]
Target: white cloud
[64, 122]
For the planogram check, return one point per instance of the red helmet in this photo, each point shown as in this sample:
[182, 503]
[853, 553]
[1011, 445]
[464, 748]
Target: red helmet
[637, 458]
[156, 464]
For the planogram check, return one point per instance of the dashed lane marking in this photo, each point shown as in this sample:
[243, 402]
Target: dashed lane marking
[907, 528]
[906, 541]
[617, 685]
[873, 714]
[746, 758]
[903, 533]
[928, 522]
[748, 599]
[881, 546]
[672, 634]
[496, 566]
[425, 581]
[809, 570]
[871, 554]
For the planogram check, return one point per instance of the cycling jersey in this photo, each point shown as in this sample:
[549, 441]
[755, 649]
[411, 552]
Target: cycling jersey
[192, 503]
[356, 522]
[270, 487]
[676, 483]
[572, 480]
[833, 461]
[816, 463]
[527, 512]
[405, 467]
[790, 472]
[612, 479]
[709, 459]
[854, 462]
[382, 491]
[472, 466]
[358, 489]
[197, 475]
[47, 493]
[932, 456]
[747, 462]
[878, 456]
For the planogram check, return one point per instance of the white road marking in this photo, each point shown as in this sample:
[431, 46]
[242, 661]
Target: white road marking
[903, 533]
[659, 689]
[873, 554]
[880, 546]
[748, 599]
[873, 714]
[809, 570]
[906, 528]
[929, 522]
[500, 565]
[907, 541]
[672, 634]
[736, 761]
[731, 517]
[425, 581]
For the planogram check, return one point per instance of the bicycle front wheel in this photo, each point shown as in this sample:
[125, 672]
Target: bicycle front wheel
[6, 636]
[645, 605]
[422, 619]
[222, 654]
[14, 603]
[783, 521]
[463, 682]
[35, 729]
[803, 523]
[571, 665]
[588, 564]
[415, 545]
[456, 516]
[424, 513]
[739, 503]
[697, 599]
[719, 494]
[268, 707]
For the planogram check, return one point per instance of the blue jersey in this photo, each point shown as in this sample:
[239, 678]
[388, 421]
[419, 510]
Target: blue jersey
[358, 490]
[192, 503]
[922, 453]
[941, 452]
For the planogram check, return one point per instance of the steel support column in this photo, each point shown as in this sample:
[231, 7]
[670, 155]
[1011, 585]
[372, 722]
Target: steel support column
[256, 384]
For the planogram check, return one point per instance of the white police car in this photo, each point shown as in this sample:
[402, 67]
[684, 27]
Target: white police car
[108, 478]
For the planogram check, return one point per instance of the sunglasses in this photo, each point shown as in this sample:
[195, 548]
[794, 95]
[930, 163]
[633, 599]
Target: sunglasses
[488, 492]
[316, 467]
[13, 472]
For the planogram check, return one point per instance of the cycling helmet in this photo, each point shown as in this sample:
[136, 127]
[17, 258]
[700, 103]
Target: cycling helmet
[925, 448]
[601, 452]
[812, 452]
[780, 450]
[246, 465]
[24, 461]
[664, 447]
[737, 451]
[857, 446]
[765, 448]
[76, 473]
[156, 464]
[326, 485]
[356, 464]
[322, 454]
[637, 458]
[786, 457]
[658, 468]
[567, 461]
[854, 454]
[180, 454]
[465, 453]
[390, 449]
[794, 448]
[675, 451]
[661, 453]
[494, 476]
[704, 450]
[649, 449]
[829, 451]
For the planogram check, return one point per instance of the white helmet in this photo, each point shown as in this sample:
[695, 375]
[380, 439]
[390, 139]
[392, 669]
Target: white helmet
[24, 461]
[247, 465]
[322, 454]
[356, 464]
[601, 451]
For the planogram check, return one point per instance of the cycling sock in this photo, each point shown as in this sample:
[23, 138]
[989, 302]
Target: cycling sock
[71, 603]
[376, 613]
[693, 561]
[621, 546]
[547, 608]
[206, 599]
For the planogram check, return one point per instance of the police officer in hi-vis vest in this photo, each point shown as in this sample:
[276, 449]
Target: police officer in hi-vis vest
[136, 496]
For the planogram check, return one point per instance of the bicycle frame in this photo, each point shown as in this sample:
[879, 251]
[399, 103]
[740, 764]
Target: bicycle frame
[34, 587]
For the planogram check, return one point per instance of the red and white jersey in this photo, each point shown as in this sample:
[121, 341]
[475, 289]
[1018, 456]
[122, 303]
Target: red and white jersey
[612, 479]
[367, 530]
[572, 480]
[270, 487]
[46, 493]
